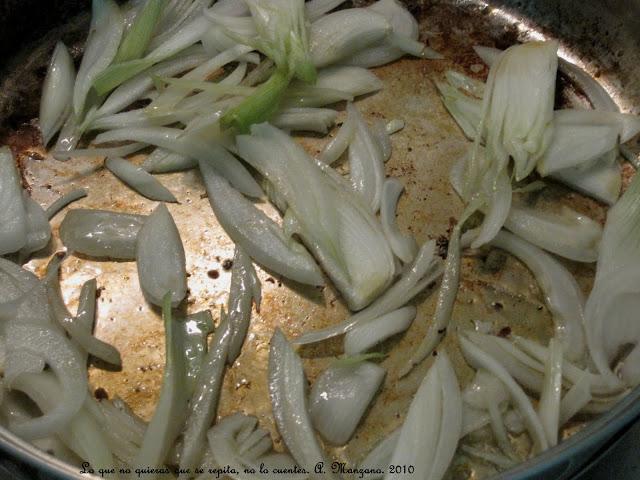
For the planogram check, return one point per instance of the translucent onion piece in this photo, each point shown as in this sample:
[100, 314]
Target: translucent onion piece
[65, 361]
[480, 359]
[317, 120]
[424, 270]
[340, 397]
[497, 459]
[197, 328]
[549, 406]
[287, 384]
[340, 143]
[101, 234]
[13, 216]
[75, 328]
[403, 25]
[404, 246]
[204, 403]
[86, 313]
[355, 80]
[193, 146]
[101, 48]
[122, 151]
[163, 161]
[22, 296]
[364, 337]
[341, 34]
[139, 180]
[63, 201]
[575, 399]
[561, 292]
[81, 433]
[244, 290]
[139, 34]
[57, 92]
[463, 82]
[466, 111]
[602, 181]
[431, 430]
[568, 233]
[135, 88]
[485, 390]
[160, 258]
[171, 409]
[38, 228]
[611, 309]
[256, 233]
[335, 232]
[366, 161]
[595, 92]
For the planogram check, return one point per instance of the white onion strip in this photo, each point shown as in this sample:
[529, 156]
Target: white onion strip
[404, 246]
[57, 92]
[13, 215]
[139, 180]
[62, 202]
[363, 337]
[549, 406]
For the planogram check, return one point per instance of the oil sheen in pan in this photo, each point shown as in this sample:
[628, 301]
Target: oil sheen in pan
[499, 291]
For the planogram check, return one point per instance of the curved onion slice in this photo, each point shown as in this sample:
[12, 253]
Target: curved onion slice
[63, 201]
[404, 246]
[81, 434]
[403, 24]
[160, 258]
[561, 292]
[480, 359]
[355, 80]
[75, 327]
[602, 181]
[568, 233]
[13, 215]
[22, 295]
[287, 384]
[171, 409]
[100, 233]
[330, 218]
[424, 270]
[244, 290]
[379, 459]
[256, 233]
[366, 162]
[64, 360]
[102, 45]
[431, 430]
[139, 180]
[193, 146]
[163, 161]
[57, 92]
[549, 406]
[340, 34]
[305, 119]
[362, 338]
[340, 143]
[340, 396]
[204, 403]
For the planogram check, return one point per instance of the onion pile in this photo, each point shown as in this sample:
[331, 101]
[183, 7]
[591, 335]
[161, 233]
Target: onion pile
[223, 84]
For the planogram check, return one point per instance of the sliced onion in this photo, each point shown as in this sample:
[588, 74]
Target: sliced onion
[379, 458]
[57, 92]
[424, 270]
[497, 459]
[197, 328]
[256, 233]
[568, 233]
[317, 120]
[65, 361]
[106, 30]
[100, 233]
[75, 328]
[171, 409]
[340, 397]
[287, 384]
[139, 180]
[597, 95]
[549, 407]
[602, 181]
[366, 161]
[160, 258]
[244, 290]
[404, 246]
[204, 403]
[575, 399]
[22, 296]
[431, 430]
[340, 34]
[339, 144]
[480, 359]
[13, 217]
[192, 146]
[561, 292]
[122, 151]
[364, 337]
[63, 201]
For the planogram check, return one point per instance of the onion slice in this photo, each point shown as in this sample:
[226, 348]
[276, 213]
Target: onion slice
[364, 337]
[13, 217]
[100, 233]
[139, 180]
[57, 92]
[160, 258]
[549, 407]
[287, 384]
[404, 246]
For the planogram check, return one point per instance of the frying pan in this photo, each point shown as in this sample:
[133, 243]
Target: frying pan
[601, 37]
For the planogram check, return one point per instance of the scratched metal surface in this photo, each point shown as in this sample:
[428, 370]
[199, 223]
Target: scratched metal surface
[422, 155]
